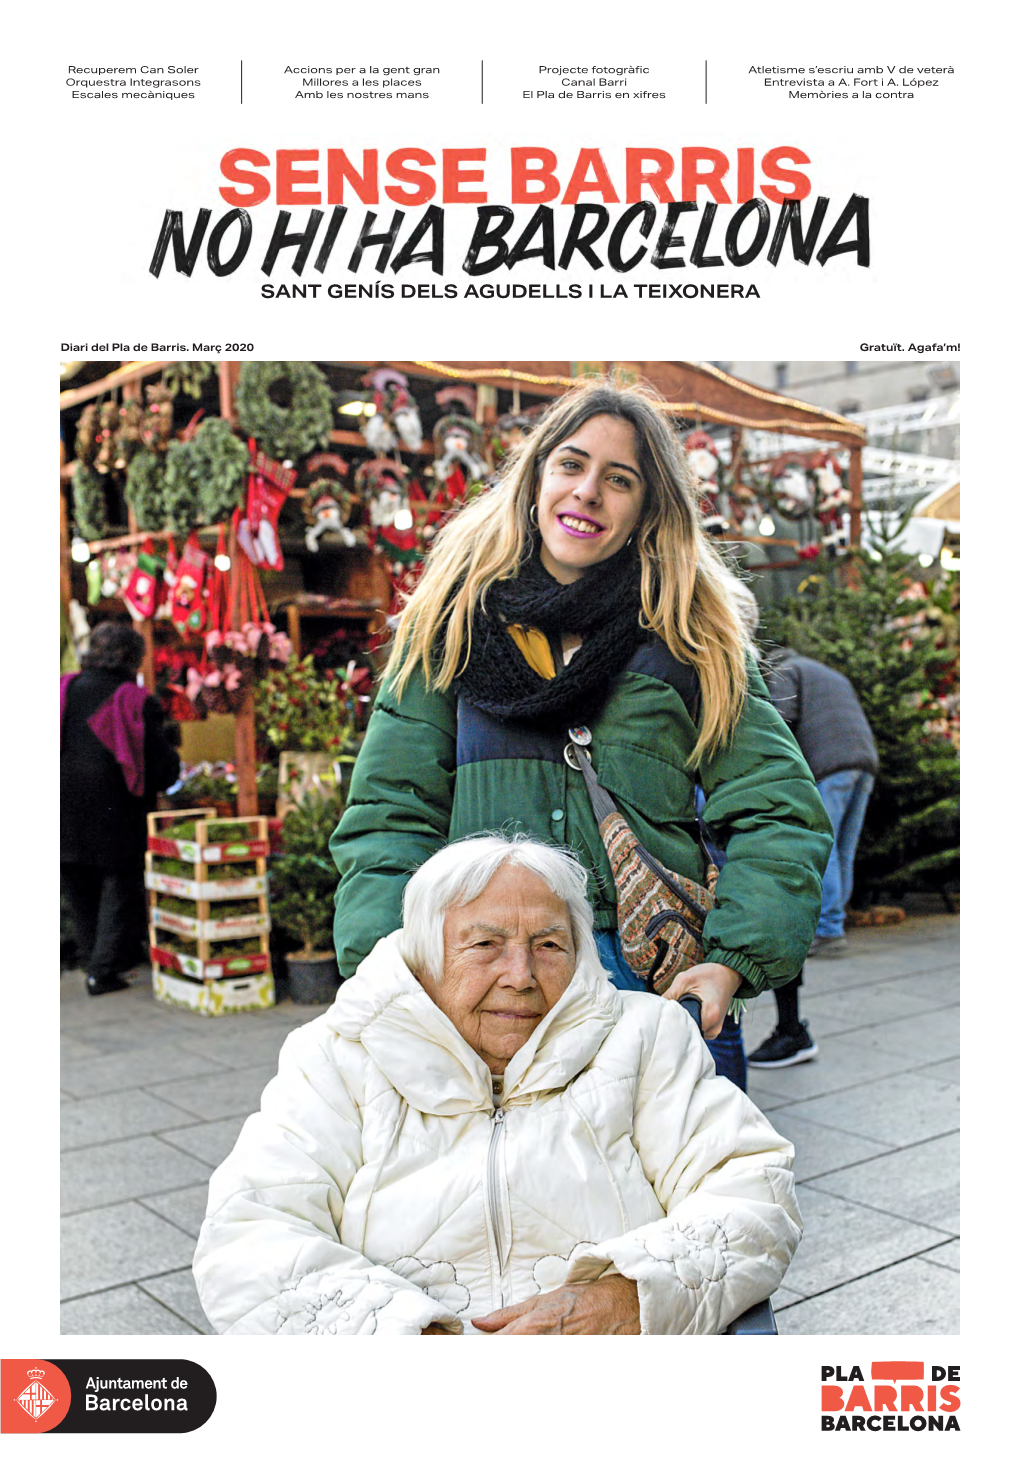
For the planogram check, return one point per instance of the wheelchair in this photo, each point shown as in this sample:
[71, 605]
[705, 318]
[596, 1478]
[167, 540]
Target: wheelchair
[759, 1320]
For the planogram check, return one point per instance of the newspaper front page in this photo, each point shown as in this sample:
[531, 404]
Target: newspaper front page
[771, 218]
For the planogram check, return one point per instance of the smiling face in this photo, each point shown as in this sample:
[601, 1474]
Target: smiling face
[508, 956]
[590, 497]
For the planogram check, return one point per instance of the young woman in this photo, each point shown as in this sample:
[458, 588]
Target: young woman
[580, 592]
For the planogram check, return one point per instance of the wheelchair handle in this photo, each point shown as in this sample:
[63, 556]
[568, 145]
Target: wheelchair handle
[693, 1007]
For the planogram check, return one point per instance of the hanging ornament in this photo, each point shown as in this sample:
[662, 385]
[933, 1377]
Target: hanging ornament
[93, 582]
[703, 459]
[159, 417]
[286, 405]
[204, 479]
[746, 506]
[510, 431]
[164, 610]
[106, 452]
[117, 567]
[396, 412]
[144, 489]
[269, 483]
[89, 502]
[382, 485]
[141, 594]
[86, 437]
[457, 439]
[131, 420]
[328, 506]
[190, 611]
[832, 499]
[792, 492]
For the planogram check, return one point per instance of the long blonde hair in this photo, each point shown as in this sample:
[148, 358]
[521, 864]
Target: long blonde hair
[684, 594]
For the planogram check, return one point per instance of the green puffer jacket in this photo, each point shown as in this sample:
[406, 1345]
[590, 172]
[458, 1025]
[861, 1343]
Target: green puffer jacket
[433, 770]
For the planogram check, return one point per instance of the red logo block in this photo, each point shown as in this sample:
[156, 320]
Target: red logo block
[34, 1395]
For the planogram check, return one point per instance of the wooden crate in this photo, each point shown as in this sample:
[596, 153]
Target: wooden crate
[209, 979]
[217, 996]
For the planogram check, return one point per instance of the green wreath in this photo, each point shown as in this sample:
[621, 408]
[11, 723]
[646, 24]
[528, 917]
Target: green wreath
[205, 478]
[144, 489]
[89, 503]
[286, 405]
[221, 461]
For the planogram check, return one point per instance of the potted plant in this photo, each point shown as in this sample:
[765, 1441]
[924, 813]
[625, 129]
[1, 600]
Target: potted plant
[304, 719]
[302, 884]
[206, 785]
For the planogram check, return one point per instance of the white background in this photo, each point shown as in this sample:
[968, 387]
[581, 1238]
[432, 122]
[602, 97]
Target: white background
[95, 178]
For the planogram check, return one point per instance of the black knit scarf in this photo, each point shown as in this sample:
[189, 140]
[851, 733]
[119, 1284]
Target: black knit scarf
[603, 606]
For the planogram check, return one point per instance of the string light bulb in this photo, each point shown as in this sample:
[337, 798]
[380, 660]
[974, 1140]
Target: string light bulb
[222, 562]
[767, 526]
[80, 550]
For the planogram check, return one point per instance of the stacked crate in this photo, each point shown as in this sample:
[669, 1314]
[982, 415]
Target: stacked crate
[223, 879]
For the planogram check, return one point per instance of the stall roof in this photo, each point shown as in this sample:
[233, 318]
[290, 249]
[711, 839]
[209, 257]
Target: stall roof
[942, 505]
[693, 389]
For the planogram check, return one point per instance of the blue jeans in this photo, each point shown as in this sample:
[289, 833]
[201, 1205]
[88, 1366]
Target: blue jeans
[845, 795]
[727, 1049]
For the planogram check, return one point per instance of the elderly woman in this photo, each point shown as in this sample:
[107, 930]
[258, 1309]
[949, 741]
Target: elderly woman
[482, 1136]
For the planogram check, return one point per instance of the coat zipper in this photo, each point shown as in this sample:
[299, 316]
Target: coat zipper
[491, 1168]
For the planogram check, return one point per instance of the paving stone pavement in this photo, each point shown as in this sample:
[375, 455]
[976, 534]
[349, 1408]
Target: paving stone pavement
[153, 1098]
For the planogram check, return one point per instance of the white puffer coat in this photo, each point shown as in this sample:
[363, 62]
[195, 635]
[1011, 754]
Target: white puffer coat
[382, 1187]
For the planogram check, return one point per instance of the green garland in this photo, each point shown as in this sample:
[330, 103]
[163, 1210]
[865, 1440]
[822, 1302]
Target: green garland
[221, 459]
[204, 480]
[188, 377]
[144, 489]
[89, 503]
[178, 496]
[285, 432]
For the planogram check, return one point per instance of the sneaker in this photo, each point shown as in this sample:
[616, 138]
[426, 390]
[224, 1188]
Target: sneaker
[827, 947]
[784, 1048]
[112, 984]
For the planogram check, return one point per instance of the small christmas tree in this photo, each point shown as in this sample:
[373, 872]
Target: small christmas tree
[880, 620]
[303, 879]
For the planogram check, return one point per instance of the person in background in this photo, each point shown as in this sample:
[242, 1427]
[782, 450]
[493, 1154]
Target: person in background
[824, 714]
[114, 759]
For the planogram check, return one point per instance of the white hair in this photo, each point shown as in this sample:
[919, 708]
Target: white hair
[459, 873]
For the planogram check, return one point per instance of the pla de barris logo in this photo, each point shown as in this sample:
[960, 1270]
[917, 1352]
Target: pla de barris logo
[901, 1396]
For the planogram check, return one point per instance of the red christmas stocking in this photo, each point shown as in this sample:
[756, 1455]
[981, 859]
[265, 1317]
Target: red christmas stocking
[190, 611]
[166, 591]
[268, 483]
[141, 595]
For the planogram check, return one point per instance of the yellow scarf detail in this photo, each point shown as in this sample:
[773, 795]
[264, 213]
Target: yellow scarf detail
[534, 645]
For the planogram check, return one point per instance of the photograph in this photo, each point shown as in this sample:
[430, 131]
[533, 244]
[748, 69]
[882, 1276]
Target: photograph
[326, 690]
